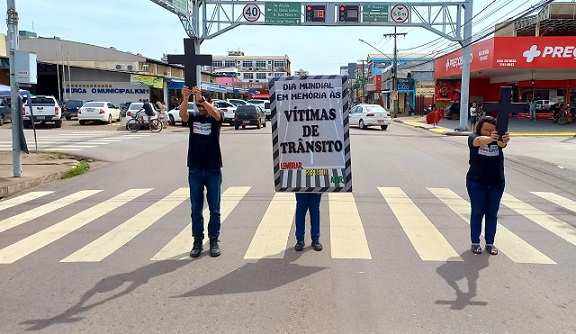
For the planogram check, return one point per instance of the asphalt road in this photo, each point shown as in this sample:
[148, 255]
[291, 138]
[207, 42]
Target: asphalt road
[398, 261]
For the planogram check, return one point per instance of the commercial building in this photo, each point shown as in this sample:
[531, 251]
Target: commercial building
[250, 72]
[535, 55]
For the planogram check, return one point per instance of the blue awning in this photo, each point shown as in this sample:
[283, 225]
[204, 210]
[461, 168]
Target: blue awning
[176, 84]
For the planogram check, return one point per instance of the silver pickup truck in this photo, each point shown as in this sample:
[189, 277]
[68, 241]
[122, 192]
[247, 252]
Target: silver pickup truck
[45, 109]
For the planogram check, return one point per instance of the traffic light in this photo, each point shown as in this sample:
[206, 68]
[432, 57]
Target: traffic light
[315, 13]
[348, 13]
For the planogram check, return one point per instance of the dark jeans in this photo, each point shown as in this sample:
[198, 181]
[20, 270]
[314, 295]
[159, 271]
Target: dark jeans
[308, 202]
[211, 179]
[485, 202]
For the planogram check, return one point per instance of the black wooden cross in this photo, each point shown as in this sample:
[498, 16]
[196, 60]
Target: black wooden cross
[190, 60]
[504, 105]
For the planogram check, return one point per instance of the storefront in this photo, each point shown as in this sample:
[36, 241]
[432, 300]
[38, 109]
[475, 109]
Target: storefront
[543, 68]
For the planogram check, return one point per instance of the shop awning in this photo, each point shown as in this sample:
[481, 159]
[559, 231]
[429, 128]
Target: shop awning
[261, 96]
[176, 84]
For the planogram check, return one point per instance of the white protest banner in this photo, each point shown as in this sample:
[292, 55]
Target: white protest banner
[310, 136]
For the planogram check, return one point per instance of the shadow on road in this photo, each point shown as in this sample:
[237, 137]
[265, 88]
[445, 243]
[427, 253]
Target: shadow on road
[264, 275]
[469, 269]
[136, 279]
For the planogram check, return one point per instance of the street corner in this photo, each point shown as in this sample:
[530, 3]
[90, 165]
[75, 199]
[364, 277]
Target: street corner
[421, 123]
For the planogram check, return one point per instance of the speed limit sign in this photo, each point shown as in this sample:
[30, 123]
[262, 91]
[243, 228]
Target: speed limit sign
[251, 12]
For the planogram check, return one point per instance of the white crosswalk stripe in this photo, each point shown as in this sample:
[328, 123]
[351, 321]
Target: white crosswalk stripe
[119, 236]
[347, 235]
[27, 216]
[75, 141]
[45, 237]
[426, 239]
[178, 248]
[552, 224]
[510, 244]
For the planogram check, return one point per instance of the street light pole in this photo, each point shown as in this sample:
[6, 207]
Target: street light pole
[395, 71]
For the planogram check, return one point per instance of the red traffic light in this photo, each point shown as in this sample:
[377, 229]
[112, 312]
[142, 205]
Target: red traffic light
[308, 7]
[342, 8]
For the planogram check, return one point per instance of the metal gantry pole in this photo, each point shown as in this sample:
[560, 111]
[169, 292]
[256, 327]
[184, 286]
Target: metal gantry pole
[12, 22]
[465, 84]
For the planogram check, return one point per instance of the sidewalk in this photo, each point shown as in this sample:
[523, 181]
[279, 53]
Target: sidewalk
[37, 169]
[516, 126]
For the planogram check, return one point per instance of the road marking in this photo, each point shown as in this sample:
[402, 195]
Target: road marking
[6, 204]
[426, 239]
[45, 237]
[347, 236]
[110, 242]
[518, 250]
[552, 224]
[178, 248]
[29, 215]
[274, 229]
[557, 199]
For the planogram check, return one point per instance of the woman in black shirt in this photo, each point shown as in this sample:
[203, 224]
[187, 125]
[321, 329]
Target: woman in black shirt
[485, 181]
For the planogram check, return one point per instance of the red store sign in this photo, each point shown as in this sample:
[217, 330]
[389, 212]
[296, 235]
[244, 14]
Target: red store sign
[512, 52]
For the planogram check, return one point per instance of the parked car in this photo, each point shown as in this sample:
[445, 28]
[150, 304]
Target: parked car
[5, 112]
[174, 117]
[544, 104]
[70, 108]
[134, 108]
[267, 110]
[257, 102]
[249, 115]
[366, 115]
[227, 108]
[124, 107]
[100, 111]
[236, 102]
[45, 109]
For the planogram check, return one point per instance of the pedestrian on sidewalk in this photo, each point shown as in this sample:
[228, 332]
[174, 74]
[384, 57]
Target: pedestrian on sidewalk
[473, 114]
[204, 166]
[308, 202]
[532, 106]
[485, 181]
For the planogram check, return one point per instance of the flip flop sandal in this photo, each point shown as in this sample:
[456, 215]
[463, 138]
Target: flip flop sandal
[492, 250]
[476, 249]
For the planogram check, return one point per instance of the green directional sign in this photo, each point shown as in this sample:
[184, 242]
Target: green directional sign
[375, 13]
[283, 12]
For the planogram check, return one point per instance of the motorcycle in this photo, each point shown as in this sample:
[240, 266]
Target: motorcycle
[562, 116]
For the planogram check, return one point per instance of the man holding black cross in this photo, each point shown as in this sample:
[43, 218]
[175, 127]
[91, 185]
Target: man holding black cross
[204, 154]
[204, 166]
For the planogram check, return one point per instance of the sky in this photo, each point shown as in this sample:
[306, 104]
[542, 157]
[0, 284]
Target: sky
[141, 26]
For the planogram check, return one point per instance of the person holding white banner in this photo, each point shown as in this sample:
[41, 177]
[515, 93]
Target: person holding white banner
[308, 202]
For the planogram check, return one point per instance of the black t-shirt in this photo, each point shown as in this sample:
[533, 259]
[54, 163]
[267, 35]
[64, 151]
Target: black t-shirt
[204, 141]
[486, 163]
[148, 109]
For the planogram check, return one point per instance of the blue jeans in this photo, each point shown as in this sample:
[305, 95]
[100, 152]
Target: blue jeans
[308, 202]
[485, 202]
[211, 179]
[532, 115]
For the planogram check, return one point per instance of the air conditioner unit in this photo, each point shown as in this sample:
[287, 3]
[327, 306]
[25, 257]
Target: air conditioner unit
[250, 68]
[120, 67]
[130, 67]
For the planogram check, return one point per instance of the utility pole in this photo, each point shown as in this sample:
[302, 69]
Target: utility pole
[395, 70]
[363, 81]
[12, 22]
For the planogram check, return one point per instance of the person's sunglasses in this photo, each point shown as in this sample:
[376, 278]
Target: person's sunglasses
[199, 106]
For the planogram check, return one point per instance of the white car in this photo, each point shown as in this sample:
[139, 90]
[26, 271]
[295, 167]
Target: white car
[267, 110]
[100, 111]
[257, 102]
[227, 108]
[236, 102]
[174, 117]
[366, 115]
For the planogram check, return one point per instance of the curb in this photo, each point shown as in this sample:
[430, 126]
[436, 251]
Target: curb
[17, 187]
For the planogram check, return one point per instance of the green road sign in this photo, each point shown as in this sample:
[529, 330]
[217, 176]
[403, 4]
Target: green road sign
[375, 13]
[283, 12]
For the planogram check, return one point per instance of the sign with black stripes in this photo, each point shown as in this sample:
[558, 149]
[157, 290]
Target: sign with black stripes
[310, 136]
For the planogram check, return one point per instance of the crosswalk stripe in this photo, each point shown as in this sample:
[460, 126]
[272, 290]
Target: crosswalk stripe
[426, 239]
[6, 204]
[557, 199]
[36, 241]
[347, 236]
[177, 248]
[273, 231]
[107, 244]
[27, 216]
[518, 250]
[552, 224]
